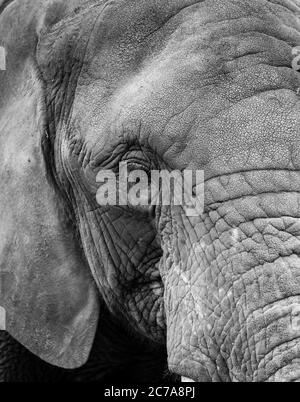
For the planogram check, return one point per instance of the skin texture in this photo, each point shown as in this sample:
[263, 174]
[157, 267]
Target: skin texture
[186, 84]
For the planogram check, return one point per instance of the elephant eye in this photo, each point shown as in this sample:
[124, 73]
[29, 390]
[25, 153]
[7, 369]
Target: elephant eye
[135, 165]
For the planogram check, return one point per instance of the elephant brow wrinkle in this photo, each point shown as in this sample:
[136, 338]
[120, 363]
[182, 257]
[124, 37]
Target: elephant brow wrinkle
[4, 4]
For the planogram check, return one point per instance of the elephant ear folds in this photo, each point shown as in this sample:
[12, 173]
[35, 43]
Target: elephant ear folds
[48, 300]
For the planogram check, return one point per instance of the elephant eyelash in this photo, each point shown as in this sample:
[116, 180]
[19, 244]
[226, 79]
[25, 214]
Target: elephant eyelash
[138, 165]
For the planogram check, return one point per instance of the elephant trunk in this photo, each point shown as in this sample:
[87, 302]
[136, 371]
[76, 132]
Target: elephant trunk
[233, 297]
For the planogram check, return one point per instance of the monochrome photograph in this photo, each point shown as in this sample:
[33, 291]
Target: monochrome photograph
[149, 193]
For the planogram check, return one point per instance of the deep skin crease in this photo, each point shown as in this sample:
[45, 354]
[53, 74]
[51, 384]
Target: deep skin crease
[180, 84]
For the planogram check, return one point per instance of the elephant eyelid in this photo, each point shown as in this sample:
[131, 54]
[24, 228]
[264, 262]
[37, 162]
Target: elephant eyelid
[138, 164]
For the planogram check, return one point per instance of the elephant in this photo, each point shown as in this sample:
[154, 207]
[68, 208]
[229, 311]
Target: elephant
[122, 292]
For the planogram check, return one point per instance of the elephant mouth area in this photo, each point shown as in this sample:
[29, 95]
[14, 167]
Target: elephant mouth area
[137, 300]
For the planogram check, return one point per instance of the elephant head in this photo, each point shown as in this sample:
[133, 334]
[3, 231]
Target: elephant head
[170, 85]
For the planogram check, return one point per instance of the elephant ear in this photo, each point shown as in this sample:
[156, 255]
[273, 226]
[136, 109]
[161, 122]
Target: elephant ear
[47, 294]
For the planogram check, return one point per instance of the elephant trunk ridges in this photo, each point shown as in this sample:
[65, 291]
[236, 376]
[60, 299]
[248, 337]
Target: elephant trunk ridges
[233, 288]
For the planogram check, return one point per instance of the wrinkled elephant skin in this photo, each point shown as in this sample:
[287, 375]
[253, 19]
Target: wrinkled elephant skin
[182, 84]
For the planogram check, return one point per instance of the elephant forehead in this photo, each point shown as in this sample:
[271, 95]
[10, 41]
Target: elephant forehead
[210, 80]
[111, 41]
[196, 77]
